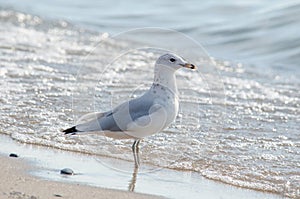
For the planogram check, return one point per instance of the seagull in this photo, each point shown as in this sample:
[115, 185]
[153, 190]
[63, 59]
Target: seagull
[143, 116]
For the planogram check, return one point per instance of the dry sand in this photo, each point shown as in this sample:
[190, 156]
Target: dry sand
[16, 183]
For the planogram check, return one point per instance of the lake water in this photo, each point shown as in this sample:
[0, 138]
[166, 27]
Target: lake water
[239, 113]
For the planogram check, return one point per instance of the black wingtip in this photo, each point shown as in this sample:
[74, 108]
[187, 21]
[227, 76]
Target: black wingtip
[71, 130]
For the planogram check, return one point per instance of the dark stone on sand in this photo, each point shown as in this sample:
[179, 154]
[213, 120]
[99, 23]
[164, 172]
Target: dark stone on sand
[58, 195]
[13, 155]
[67, 171]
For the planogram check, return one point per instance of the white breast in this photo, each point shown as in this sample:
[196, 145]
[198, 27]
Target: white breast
[166, 108]
[169, 101]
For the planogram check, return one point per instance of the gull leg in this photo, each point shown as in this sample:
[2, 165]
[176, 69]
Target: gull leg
[135, 150]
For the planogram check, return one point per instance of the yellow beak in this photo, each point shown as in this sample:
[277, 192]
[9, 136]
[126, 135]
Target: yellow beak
[188, 65]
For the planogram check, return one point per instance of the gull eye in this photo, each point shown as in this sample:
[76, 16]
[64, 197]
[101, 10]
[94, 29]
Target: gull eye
[172, 60]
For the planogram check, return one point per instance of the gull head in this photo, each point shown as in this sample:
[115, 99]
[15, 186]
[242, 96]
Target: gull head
[173, 61]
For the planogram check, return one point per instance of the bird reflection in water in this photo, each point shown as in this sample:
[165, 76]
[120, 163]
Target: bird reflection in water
[132, 182]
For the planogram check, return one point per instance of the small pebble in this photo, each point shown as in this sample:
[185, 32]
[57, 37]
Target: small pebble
[67, 171]
[13, 155]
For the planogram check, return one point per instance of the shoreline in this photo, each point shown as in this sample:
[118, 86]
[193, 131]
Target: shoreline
[40, 167]
[19, 184]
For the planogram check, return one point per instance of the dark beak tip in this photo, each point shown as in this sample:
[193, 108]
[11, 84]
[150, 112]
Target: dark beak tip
[188, 65]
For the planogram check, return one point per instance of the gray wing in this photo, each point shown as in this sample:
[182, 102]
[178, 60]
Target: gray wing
[119, 118]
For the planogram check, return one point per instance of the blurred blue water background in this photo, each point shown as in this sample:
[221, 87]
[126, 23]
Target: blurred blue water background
[264, 33]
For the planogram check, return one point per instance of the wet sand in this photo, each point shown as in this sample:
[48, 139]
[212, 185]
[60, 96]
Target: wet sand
[36, 174]
[16, 183]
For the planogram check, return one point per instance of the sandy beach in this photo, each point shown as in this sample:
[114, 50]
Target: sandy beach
[16, 183]
[36, 174]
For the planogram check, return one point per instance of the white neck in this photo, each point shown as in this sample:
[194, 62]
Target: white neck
[165, 76]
